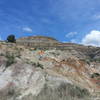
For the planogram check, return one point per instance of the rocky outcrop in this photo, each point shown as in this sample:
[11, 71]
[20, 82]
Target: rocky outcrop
[44, 43]
[28, 74]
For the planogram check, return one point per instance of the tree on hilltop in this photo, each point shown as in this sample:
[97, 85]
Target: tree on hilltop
[11, 38]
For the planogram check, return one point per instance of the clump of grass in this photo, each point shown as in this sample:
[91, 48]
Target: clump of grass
[89, 60]
[74, 91]
[1, 54]
[95, 75]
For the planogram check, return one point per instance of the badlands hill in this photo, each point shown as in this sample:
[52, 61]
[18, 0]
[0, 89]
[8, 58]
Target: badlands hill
[30, 73]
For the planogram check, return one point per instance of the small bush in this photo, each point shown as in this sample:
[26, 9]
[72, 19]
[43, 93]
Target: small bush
[10, 59]
[39, 65]
[81, 92]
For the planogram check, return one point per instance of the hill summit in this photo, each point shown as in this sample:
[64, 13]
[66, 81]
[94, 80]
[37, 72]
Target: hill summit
[37, 39]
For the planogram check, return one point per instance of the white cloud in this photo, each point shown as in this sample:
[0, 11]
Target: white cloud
[27, 29]
[71, 34]
[93, 38]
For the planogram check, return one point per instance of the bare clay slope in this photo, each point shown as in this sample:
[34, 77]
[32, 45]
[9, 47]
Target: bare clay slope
[28, 74]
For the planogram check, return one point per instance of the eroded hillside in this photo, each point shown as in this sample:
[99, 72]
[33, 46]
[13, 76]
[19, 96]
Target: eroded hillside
[32, 74]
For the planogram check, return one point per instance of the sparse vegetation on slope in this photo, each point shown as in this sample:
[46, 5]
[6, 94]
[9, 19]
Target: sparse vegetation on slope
[65, 75]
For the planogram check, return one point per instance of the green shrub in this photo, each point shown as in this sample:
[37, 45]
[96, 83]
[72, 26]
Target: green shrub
[36, 64]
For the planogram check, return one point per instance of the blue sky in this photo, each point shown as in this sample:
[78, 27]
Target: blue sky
[66, 20]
